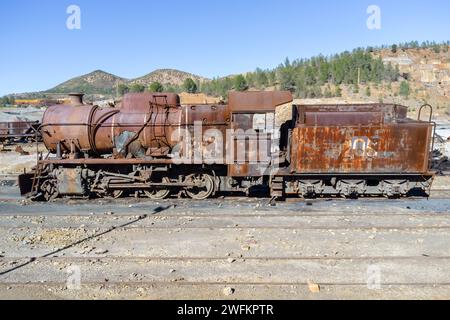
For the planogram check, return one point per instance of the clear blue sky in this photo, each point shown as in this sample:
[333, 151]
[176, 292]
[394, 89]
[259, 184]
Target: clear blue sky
[211, 38]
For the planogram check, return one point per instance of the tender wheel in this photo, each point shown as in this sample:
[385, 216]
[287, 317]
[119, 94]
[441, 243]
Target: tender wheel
[204, 186]
[160, 193]
[49, 190]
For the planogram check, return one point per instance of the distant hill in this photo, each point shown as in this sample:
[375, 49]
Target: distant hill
[167, 77]
[97, 82]
[409, 74]
[102, 85]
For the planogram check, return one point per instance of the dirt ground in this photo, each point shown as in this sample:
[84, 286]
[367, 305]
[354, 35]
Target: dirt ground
[24, 114]
[232, 248]
[12, 162]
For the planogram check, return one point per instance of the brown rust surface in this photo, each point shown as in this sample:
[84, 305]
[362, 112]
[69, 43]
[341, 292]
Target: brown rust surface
[258, 100]
[343, 118]
[250, 144]
[140, 102]
[349, 114]
[392, 148]
[391, 110]
[143, 121]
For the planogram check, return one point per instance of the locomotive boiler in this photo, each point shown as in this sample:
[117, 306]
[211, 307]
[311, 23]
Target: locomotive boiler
[152, 146]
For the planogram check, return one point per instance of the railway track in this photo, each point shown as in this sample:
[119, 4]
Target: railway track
[257, 215]
[274, 284]
[177, 290]
[326, 228]
[180, 277]
[289, 200]
[146, 259]
[230, 216]
[247, 213]
[194, 250]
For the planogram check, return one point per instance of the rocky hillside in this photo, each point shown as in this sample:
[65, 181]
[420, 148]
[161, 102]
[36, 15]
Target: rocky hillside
[409, 75]
[167, 77]
[427, 72]
[97, 82]
[421, 75]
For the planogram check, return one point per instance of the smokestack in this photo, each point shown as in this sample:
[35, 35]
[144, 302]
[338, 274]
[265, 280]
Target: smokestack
[76, 99]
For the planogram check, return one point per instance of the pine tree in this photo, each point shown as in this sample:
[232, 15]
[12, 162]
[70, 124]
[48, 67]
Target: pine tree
[156, 87]
[405, 89]
[261, 79]
[303, 76]
[190, 86]
[240, 84]
[122, 89]
[394, 48]
[137, 87]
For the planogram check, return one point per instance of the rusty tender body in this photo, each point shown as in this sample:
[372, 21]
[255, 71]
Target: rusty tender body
[145, 146]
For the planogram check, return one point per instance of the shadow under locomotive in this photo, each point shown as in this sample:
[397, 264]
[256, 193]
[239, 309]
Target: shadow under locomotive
[151, 146]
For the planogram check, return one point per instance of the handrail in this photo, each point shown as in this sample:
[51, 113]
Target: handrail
[430, 165]
[433, 137]
[420, 112]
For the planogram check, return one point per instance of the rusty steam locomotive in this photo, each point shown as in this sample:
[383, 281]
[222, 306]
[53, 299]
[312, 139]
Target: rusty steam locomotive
[150, 145]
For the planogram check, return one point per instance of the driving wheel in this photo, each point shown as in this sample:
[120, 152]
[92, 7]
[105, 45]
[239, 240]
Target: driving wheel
[203, 186]
[159, 193]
